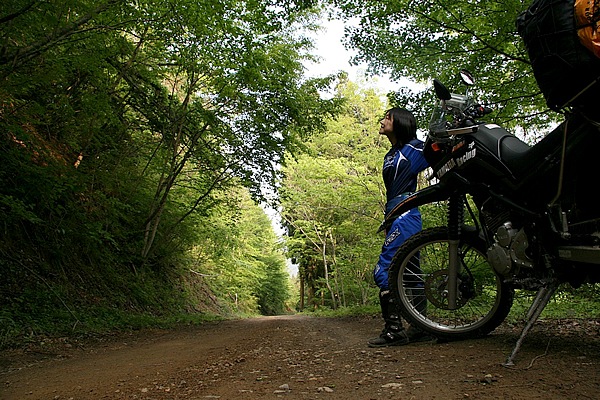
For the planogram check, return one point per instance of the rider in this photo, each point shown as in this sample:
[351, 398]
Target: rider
[401, 166]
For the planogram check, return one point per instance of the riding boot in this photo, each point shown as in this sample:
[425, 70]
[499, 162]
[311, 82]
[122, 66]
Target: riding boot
[393, 333]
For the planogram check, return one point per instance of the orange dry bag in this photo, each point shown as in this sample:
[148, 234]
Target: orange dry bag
[587, 16]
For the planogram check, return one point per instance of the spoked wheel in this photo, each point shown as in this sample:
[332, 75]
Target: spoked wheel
[419, 281]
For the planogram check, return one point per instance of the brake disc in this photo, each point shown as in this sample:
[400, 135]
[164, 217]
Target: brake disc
[436, 290]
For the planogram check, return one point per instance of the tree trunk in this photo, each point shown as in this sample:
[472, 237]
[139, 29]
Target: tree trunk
[301, 306]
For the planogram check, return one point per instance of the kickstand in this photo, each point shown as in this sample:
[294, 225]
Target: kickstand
[539, 303]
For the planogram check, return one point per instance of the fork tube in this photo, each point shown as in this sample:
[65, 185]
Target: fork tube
[455, 219]
[452, 273]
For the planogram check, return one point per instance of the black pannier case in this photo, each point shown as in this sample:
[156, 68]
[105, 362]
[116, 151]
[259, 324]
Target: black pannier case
[567, 73]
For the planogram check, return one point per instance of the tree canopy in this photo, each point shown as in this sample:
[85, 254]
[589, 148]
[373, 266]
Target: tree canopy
[126, 125]
[215, 87]
[422, 40]
[332, 200]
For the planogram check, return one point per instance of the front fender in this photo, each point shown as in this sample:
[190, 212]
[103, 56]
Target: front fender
[430, 194]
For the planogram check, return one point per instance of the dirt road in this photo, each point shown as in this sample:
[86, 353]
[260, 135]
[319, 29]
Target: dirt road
[300, 357]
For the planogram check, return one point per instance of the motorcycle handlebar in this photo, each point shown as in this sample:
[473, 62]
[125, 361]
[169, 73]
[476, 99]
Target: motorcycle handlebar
[456, 114]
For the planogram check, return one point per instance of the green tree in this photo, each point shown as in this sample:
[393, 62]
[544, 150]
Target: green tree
[332, 202]
[422, 40]
[205, 91]
[239, 256]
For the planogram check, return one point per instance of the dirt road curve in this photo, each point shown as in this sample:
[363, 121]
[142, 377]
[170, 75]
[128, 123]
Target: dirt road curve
[299, 357]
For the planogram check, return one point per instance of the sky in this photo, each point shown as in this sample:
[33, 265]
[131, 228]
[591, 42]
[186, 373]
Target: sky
[334, 58]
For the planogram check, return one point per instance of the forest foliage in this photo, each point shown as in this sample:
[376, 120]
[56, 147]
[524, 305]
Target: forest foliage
[138, 139]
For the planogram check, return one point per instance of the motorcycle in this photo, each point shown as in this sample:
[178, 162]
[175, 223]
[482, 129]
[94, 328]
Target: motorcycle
[519, 217]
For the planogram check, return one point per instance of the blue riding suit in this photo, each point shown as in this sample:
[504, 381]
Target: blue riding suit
[401, 167]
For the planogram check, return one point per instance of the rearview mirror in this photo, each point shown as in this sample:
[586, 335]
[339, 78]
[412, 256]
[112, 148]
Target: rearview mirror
[466, 77]
[441, 91]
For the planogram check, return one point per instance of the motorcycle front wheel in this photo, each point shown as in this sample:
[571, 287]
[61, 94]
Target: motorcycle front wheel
[418, 278]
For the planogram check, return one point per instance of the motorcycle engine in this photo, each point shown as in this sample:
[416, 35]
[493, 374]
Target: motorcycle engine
[508, 254]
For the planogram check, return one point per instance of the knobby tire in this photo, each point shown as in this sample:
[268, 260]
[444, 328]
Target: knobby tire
[418, 280]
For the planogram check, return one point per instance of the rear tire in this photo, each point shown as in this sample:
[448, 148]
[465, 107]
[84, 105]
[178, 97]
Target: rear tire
[418, 280]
